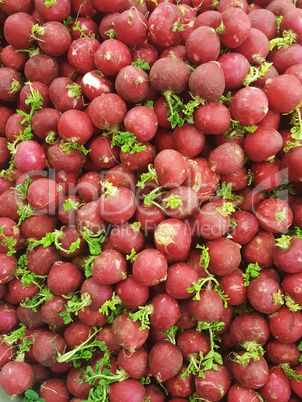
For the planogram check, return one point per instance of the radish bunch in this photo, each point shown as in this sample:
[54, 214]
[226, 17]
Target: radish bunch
[151, 200]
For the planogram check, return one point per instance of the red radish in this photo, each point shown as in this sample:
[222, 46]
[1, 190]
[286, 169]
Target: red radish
[225, 4]
[132, 293]
[292, 285]
[89, 186]
[180, 277]
[253, 375]
[267, 175]
[232, 36]
[111, 56]
[54, 388]
[240, 393]
[44, 122]
[212, 118]
[127, 333]
[131, 28]
[165, 360]
[295, 383]
[85, 24]
[286, 325]
[76, 333]
[226, 158]
[94, 84]
[13, 23]
[199, 54]
[18, 293]
[102, 153]
[107, 110]
[180, 202]
[16, 377]
[75, 126]
[138, 160]
[217, 249]
[146, 53]
[172, 238]
[150, 267]
[135, 363]
[129, 390]
[246, 227]
[290, 165]
[265, 21]
[8, 267]
[51, 309]
[42, 68]
[109, 267]
[71, 283]
[149, 216]
[274, 215]
[235, 67]
[44, 195]
[215, 384]
[179, 386]
[188, 140]
[107, 6]
[11, 84]
[117, 204]
[53, 38]
[282, 353]
[165, 24]
[11, 234]
[47, 347]
[203, 84]
[286, 254]
[208, 308]
[255, 47]
[173, 173]
[190, 342]
[127, 237]
[162, 78]
[36, 226]
[265, 295]
[142, 122]
[65, 94]
[285, 87]
[81, 54]
[9, 320]
[76, 384]
[233, 286]
[277, 386]
[165, 312]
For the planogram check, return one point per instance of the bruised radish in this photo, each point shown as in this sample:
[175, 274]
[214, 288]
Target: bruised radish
[162, 76]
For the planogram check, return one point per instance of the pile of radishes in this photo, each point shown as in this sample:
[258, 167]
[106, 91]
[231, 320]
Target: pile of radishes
[151, 200]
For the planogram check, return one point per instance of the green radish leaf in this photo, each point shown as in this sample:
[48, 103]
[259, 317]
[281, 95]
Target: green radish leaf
[8, 242]
[251, 272]
[141, 64]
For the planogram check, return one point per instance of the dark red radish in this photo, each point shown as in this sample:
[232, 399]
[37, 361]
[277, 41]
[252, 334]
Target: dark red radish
[191, 342]
[249, 331]
[127, 333]
[253, 144]
[142, 122]
[134, 363]
[246, 227]
[211, 18]
[162, 75]
[232, 36]
[203, 83]
[81, 54]
[255, 47]
[64, 278]
[176, 51]
[92, 317]
[295, 383]
[249, 106]
[286, 254]
[227, 158]
[260, 249]
[23, 6]
[265, 295]
[111, 56]
[11, 84]
[65, 94]
[30, 156]
[165, 360]
[197, 53]
[132, 84]
[16, 377]
[181, 276]
[117, 204]
[252, 375]
[283, 92]
[150, 267]
[107, 6]
[179, 385]
[131, 28]
[109, 267]
[282, 353]
[149, 216]
[107, 110]
[208, 308]
[225, 4]
[7, 352]
[27, 92]
[265, 21]
[215, 383]
[10, 236]
[146, 53]
[102, 153]
[89, 186]
[290, 165]
[76, 384]
[127, 237]
[8, 268]
[274, 215]
[172, 238]
[32, 319]
[238, 392]
[83, 24]
[12, 24]
[42, 68]
[286, 325]
[6, 112]
[235, 67]
[173, 173]
[180, 202]
[88, 217]
[212, 118]
[44, 195]
[138, 161]
[267, 175]
[218, 249]
[132, 293]
[75, 126]
[165, 25]
[51, 309]
[292, 285]
[96, 294]
[53, 38]
[277, 386]
[188, 140]
[44, 122]
[129, 390]
[47, 347]
[9, 319]
[233, 286]
[105, 334]
[54, 389]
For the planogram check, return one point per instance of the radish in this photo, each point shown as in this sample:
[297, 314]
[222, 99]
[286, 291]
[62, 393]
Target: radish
[54, 388]
[188, 140]
[127, 333]
[198, 54]
[253, 374]
[233, 286]
[173, 174]
[111, 56]
[235, 68]
[241, 393]
[11, 84]
[179, 386]
[277, 386]
[76, 384]
[16, 377]
[286, 325]
[12, 23]
[131, 27]
[75, 126]
[81, 54]
[142, 122]
[210, 90]
[129, 390]
[42, 68]
[107, 110]
[161, 75]
[282, 353]
[265, 21]
[165, 360]
[287, 87]
[53, 38]
[274, 215]
[47, 347]
[135, 364]
[205, 121]
[215, 383]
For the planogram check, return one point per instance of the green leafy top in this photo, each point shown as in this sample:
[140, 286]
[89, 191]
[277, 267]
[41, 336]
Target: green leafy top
[54, 238]
[290, 303]
[8, 241]
[145, 177]
[70, 147]
[251, 272]
[84, 350]
[88, 264]
[150, 197]
[77, 27]
[175, 105]
[237, 130]
[127, 142]
[132, 256]
[198, 365]
[94, 240]
[22, 188]
[244, 359]
[256, 72]
[24, 211]
[142, 314]
[204, 257]
[209, 280]
[74, 90]
[70, 205]
[32, 396]
[296, 121]
[14, 336]
[43, 296]
[173, 202]
[141, 64]
[227, 208]
[112, 308]
[171, 333]
[76, 303]
[289, 372]
[288, 38]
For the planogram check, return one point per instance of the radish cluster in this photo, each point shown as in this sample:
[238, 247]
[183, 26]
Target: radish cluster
[151, 200]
